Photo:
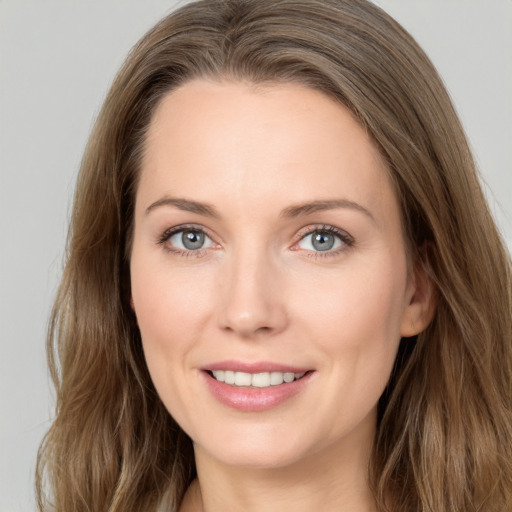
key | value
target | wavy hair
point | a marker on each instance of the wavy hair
(444, 438)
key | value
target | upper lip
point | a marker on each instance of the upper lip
(254, 367)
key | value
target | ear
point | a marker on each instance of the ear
(421, 302)
(132, 307)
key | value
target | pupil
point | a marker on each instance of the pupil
(192, 239)
(322, 241)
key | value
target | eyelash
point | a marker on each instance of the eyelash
(166, 235)
(346, 239)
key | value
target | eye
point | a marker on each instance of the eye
(324, 240)
(188, 239)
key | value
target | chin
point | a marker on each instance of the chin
(256, 459)
(257, 448)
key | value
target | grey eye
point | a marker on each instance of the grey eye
(320, 241)
(190, 240)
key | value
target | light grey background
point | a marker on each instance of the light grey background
(57, 59)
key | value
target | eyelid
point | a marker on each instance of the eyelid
(168, 233)
(346, 239)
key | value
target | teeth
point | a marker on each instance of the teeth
(229, 377)
(276, 378)
(260, 380)
(289, 377)
(257, 380)
(242, 379)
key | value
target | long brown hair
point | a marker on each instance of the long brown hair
(444, 439)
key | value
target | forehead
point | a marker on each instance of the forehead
(219, 141)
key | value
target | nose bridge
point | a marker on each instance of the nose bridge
(252, 301)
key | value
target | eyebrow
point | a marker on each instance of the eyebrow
(319, 206)
(187, 205)
(290, 212)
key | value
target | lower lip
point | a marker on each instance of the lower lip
(248, 399)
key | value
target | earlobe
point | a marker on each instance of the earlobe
(132, 307)
(421, 307)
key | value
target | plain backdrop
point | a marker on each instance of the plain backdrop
(57, 59)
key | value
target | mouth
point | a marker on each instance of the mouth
(255, 380)
(257, 386)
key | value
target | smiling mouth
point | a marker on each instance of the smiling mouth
(255, 380)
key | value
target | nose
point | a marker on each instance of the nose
(252, 300)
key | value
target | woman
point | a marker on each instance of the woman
(283, 287)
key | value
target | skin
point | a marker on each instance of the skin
(260, 291)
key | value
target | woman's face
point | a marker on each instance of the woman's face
(268, 248)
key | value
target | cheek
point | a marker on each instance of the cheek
(170, 316)
(355, 318)
(169, 304)
(354, 321)
(356, 300)
(168, 307)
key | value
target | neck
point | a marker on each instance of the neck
(332, 479)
